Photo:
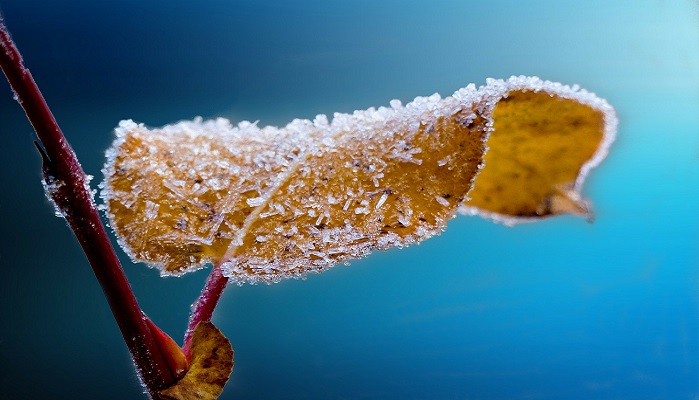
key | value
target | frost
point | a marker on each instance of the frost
(254, 202)
(51, 189)
(404, 220)
(382, 200)
(151, 210)
(441, 200)
(361, 210)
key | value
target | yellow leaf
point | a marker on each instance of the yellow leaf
(211, 364)
(272, 203)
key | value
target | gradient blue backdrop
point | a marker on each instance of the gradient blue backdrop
(561, 309)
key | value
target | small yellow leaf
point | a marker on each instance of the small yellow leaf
(211, 364)
(273, 203)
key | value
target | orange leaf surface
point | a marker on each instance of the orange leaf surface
(274, 203)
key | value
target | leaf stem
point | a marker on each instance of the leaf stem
(69, 188)
(203, 308)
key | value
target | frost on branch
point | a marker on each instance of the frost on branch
(274, 203)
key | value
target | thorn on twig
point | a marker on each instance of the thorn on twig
(46, 164)
(44, 157)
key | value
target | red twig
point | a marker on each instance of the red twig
(69, 188)
(204, 307)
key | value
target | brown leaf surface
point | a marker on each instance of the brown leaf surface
(275, 203)
(211, 365)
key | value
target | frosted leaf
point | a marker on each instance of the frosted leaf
(273, 203)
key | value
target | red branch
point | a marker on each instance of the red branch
(69, 188)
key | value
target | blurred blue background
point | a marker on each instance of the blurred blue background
(560, 309)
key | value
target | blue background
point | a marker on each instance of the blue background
(560, 309)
